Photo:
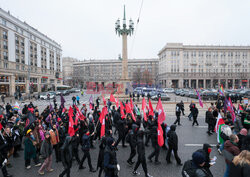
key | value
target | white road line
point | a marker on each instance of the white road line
(192, 145)
(201, 126)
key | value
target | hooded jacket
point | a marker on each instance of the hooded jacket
(66, 152)
(232, 148)
(132, 136)
(172, 137)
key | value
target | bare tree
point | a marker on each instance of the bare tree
(137, 76)
(147, 77)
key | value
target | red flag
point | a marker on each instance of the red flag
(1, 126)
(151, 110)
(144, 104)
(71, 130)
(240, 108)
(112, 98)
(160, 135)
(104, 101)
(102, 120)
(122, 110)
(161, 113)
(131, 104)
(80, 115)
(129, 110)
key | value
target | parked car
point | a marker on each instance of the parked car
(177, 92)
(58, 92)
(168, 90)
(145, 90)
(193, 94)
(44, 95)
(65, 92)
(138, 90)
(209, 95)
(164, 97)
(153, 93)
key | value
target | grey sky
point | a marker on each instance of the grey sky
(85, 28)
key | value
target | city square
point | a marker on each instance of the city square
(124, 88)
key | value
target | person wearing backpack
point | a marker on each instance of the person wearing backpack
(195, 167)
(178, 114)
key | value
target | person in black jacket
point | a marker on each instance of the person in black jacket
(195, 113)
(75, 143)
(206, 150)
(66, 155)
(178, 114)
(111, 166)
(141, 155)
(173, 145)
(155, 145)
(85, 149)
(240, 167)
(210, 121)
(131, 139)
(121, 125)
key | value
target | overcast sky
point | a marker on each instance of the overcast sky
(85, 28)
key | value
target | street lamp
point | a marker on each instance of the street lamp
(124, 32)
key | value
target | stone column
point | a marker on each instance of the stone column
(27, 85)
(124, 58)
(12, 85)
(39, 85)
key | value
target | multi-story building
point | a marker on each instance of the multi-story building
(29, 60)
(68, 70)
(199, 66)
(109, 71)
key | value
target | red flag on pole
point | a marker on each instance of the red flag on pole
(129, 110)
(71, 130)
(144, 104)
(151, 110)
(160, 135)
(1, 126)
(122, 110)
(161, 113)
(112, 98)
(104, 101)
(102, 120)
(81, 116)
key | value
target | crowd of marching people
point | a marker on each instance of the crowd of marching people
(63, 131)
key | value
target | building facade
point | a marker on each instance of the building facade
(109, 71)
(67, 66)
(197, 66)
(29, 60)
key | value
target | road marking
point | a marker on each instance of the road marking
(193, 145)
(201, 126)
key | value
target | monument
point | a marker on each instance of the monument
(124, 32)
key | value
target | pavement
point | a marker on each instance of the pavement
(191, 139)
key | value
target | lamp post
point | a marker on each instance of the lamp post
(124, 32)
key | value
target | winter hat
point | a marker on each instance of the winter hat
(198, 158)
(243, 132)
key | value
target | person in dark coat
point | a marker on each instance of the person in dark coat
(173, 145)
(141, 155)
(240, 167)
(155, 145)
(46, 152)
(178, 114)
(30, 150)
(111, 166)
(246, 143)
(195, 113)
(86, 149)
(75, 144)
(66, 156)
(131, 139)
(242, 135)
(206, 150)
(97, 102)
(210, 121)
(121, 132)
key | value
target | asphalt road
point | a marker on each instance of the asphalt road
(190, 140)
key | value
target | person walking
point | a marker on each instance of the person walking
(141, 155)
(66, 155)
(155, 145)
(173, 145)
(2, 97)
(86, 149)
(78, 100)
(131, 139)
(74, 100)
(195, 113)
(111, 167)
(178, 114)
(30, 150)
(182, 108)
(46, 153)
(210, 121)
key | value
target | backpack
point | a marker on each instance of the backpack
(188, 169)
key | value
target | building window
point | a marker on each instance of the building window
(4, 22)
(17, 67)
(5, 65)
